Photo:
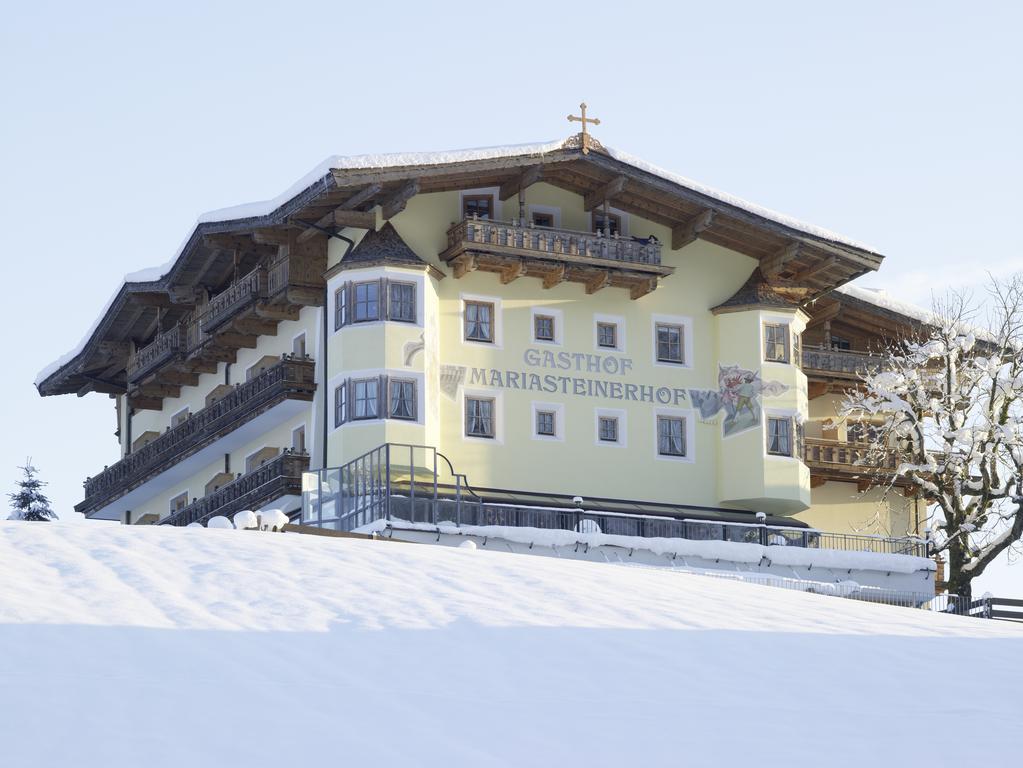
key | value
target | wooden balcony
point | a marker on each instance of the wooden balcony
(839, 363)
(235, 299)
(281, 476)
(554, 256)
(290, 379)
(845, 461)
(160, 351)
(213, 333)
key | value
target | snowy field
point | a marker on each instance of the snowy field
(190, 647)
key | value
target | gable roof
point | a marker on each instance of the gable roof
(366, 181)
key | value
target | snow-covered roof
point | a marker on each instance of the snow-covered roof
(421, 159)
(881, 299)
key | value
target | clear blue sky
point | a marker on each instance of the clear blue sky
(897, 124)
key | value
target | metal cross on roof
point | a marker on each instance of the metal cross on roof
(584, 120)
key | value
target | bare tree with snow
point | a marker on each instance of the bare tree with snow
(949, 409)
(29, 503)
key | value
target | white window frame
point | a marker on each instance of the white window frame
(559, 326)
(553, 211)
(484, 394)
(493, 191)
(793, 417)
(369, 275)
(498, 321)
(623, 427)
(392, 373)
(174, 416)
(687, 340)
(305, 342)
(623, 219)
(618, 321)
(689, 425)
(786, 323)
(305, 443)
(558, 409)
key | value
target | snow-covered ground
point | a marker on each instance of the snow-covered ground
(193, 647)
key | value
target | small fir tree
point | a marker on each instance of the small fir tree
(29, 503)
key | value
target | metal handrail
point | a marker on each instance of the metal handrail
(373, 487)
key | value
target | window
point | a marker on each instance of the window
(669, 343)
(259, 458)
(797, 347)
(479, 321)
(543, 327)
(298, 346)
(607, 429)
(341, 405)
(776, 343)
(366, 302)
(543, 219)
(179, 502)
(545, 423)
(671, 436)
(607, 335)
(298, 439)
(479, 417)
(340, 307)
(779, 436)
(402, 304)
(402, 399)
(614, 220)
(837, 342)
(478, 206)
(364, 399)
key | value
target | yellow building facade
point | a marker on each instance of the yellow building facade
(555, 323)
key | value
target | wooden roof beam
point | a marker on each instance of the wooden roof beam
(688, 231)
(597, 197)
(822, 317)
(345, 214)
(815, 271)
(396, 203)
(772, 265)
(527, 178)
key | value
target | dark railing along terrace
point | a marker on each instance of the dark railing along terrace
(289, 378)
(233, 299)
(417, 484)
(551, 243)
(842, 362)
(846, 456)
(281, 476)
(158, 352)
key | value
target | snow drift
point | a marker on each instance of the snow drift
(151, 645)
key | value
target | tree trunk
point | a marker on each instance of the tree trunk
(959, 583)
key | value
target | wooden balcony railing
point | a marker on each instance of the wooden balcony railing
(281, 476)
(544, 242)
(291, 273)
(290, 379)
(159, 351)
(845, 457)
(236, 297)
(840, 362)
